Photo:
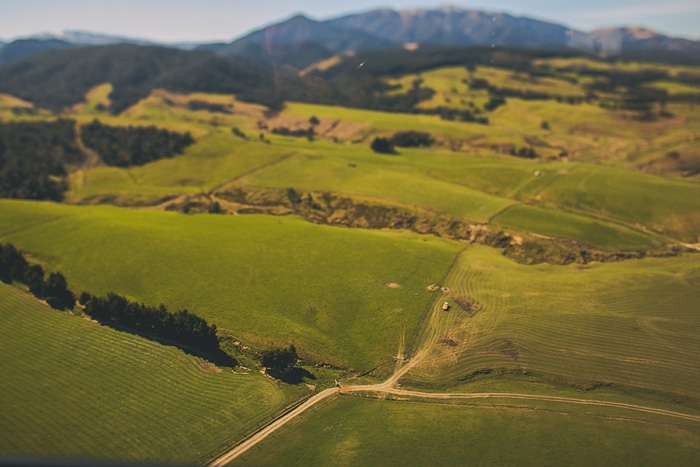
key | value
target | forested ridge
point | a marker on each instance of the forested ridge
(60, 78)
(33, 156)
(127, 146)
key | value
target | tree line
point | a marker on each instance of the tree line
(127, 146)
(54, 289)
(184, 329)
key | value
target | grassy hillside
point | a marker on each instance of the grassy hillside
(562, 224)
(256, 276)
(630, 326)
(666, 206)
(75, 389)
(356, 431)
(353, 298)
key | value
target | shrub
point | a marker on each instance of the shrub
(382, 145)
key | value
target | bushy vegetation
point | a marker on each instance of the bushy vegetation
(183, 327)
(60, 78)
(382, 145)
(74, 392)
(13, 267)
(33, 156)
(280, 360)
(197, 104)
(284, 131)
(349, 319)
(127, 146)
(412, 138)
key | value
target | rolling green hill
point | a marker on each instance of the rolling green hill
(356, 431)
(350, 254)
(629, 327)
(73, 389)
(255, 276)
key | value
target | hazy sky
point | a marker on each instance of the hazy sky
(224, 20)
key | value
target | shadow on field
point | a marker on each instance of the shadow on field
(293, 376)
(218, 357)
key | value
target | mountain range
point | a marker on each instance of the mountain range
(300, 40)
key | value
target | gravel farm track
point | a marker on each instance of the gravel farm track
(389, 387)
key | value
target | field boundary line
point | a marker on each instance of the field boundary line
(515, 203)
(252, 171)
(271, 427)
(34, 224)
(349, 390)
(410, 349)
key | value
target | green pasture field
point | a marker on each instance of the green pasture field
(452, 91)
(665, 205)
(72, 389)
(379, 175)
(502, 78)
(475, 188)
(574, 62)
(675, 88)
(386, 122)
(211, 161)
(589, 133)
(561, 224)
(96, 100)
(356, 431)
(268, 280)
(449, 88)
(630, 326)
(15, 109)
(479, 188)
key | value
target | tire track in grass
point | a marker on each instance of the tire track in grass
(471, 281)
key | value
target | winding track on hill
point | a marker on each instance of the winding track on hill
(427, 339)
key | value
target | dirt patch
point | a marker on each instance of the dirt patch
(445, 289)
(466, 304)
(449, 341)
(433, 287)
(207, 367)
(392, 285)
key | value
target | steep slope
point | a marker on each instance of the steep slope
(278, 57)
(299, 29)
(453, 26)
(24, 47)
(60, 78)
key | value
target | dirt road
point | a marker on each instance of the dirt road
(506, 395)
(272, 427)
(428, 340)
(388, 388)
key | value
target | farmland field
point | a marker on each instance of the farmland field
(562, 224)
(75, 389)
(253, 275)
(357, 431)
(630, 326)
(549, 249)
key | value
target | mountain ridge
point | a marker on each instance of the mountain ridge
(384, 28)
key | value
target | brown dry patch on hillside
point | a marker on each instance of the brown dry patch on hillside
(327, 63)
